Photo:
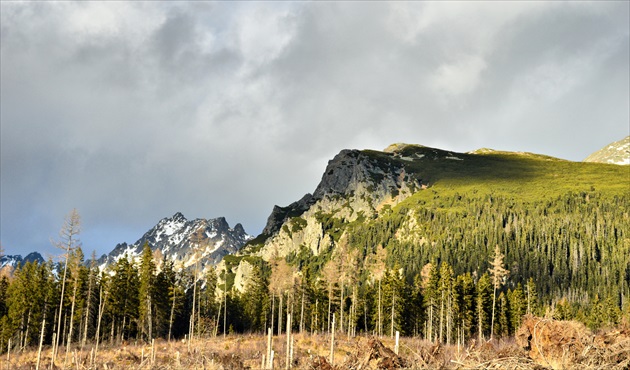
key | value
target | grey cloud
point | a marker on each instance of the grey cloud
(222, 109)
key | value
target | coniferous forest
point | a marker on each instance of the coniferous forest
(568, 258)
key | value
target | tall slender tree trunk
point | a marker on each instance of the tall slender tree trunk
(273, 309)
(441, 317)
(150, 317)
(380, 322)
(280, 316)
(216, 326)
(170, 320)
(191, 328)
(480, 318)
(225, 304)
(101, 309)
(302, 313)
(74, 299)
(87, 309)
(72, 225)
(494, 298)
(329, 305)
(63, 289)
(28, 324)
(341, 309)
(393, 303)
(431, 337)
(41, 340)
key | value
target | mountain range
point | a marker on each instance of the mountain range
(360, 187)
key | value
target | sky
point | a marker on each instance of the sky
(133, 111)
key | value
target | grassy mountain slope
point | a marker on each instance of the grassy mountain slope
(565, 224)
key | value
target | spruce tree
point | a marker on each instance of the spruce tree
(484, 291)
(146, 292)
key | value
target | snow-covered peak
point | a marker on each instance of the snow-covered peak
(186, 241)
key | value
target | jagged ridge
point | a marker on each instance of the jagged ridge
(173, 238)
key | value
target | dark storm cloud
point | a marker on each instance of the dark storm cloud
(133, 111)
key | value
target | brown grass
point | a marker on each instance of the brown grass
(540, 344)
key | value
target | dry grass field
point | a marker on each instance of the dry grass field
(539, 344)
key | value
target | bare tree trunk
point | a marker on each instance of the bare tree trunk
(170, 320)
(494, 298)
(225, 304)
(316, 316)
(332, 342)
(341, 309)
(273, 309)
(101, 309)
(72, 225)
(329, 302)
(74, 299)
(441, 317)
(216, 326)
(480, 319)
(380, 321)
(41, 340)
(111, 334)
(449, 319)
(302, 314)
(280, 316)
(150, 317)
(28, 324)
(393, 303)
(430, 334)
(191, 327)
(87, 309)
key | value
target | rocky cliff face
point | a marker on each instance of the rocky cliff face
(363, 180)
(174, 237)
(356, 185)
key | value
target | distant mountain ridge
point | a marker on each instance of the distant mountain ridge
(173, 237)
(14, 260)
(614, 153)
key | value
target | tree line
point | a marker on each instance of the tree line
(481, 264)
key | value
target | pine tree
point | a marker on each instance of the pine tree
(484, 290)
(146, 292)
(90, 297)
(257, 303)
(518, 307)
(123, 299)
(502, 315)
(417, 311)
(431, 278)
(465, 288)
(531, 297)
(445, 297)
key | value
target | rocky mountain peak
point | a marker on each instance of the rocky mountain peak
(366, 178)
(177, 238)
(15, 260)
